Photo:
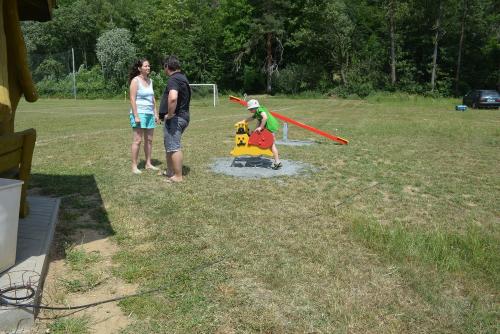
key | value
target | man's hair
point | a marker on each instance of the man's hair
(172, 63)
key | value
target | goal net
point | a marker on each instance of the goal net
(204, 94)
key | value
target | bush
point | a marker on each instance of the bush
(361, 90)
(49, 69)
(253, 80)
(296, 78)
(49, 87)
(116, 53)
(406, 80)
(90, 84)
(288, 80)
(159, 83)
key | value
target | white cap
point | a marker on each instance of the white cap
(253, 104)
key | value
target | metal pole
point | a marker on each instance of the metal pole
(74, 77)
(285, 131)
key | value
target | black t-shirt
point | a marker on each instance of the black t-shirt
(180, 83)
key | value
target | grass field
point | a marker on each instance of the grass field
(397, 232)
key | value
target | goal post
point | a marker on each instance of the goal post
(200, 91)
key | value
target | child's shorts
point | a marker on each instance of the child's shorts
(147, 121)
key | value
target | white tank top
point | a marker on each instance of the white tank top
(144, 98)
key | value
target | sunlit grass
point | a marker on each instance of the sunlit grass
(74, 325)
(80, 260)
(396, 232)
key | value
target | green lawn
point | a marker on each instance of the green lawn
(396, 232)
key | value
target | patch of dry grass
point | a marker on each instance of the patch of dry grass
(395, 233)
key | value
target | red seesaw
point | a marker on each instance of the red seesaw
(292, 121)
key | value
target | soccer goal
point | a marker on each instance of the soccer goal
(205, 94)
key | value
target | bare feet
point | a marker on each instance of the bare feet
(165, 173)
(174, 179)
(151, 167)
(136, 171)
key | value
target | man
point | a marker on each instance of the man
(175, 108)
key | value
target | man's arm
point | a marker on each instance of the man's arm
(172, 103)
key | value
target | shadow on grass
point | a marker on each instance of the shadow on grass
(244, 161)
(142, 163)
(81, 209)
(157, 163)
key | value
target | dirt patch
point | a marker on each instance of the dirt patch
(410, 190)
(105, 318)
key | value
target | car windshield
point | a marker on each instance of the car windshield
(492, 93)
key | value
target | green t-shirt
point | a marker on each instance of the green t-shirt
(272, 123)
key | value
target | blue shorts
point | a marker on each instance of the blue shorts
(172, 133)
(147, 121)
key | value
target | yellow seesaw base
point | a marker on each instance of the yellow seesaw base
(241, 146)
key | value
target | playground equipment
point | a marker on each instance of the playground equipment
(294, 122)
(255, 144)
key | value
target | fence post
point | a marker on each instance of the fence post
(74, 77)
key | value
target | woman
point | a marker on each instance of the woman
(143, 112)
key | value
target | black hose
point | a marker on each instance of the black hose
(4, 300)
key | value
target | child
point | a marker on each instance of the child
(267, 121)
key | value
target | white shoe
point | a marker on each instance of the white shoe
(136, 171)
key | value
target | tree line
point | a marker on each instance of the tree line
(341, 47)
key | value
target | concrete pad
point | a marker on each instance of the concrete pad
(288, 142)
(34, 238)
(258, 167)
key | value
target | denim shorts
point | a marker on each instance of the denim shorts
(147, 121)
(172, 133)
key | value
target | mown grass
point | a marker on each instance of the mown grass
(396, 232)
(74, 325)
(83, 275)
(472, 251)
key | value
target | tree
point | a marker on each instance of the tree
(189, 29)
(391, 13)
(267, 31)
(437, 28)
(49, 68)
(234, 19)
(328, 30)
(460, 43)
(116, 53)
(324, 44)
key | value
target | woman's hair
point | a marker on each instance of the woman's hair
(134, 70)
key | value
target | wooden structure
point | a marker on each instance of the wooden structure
(16, 148)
